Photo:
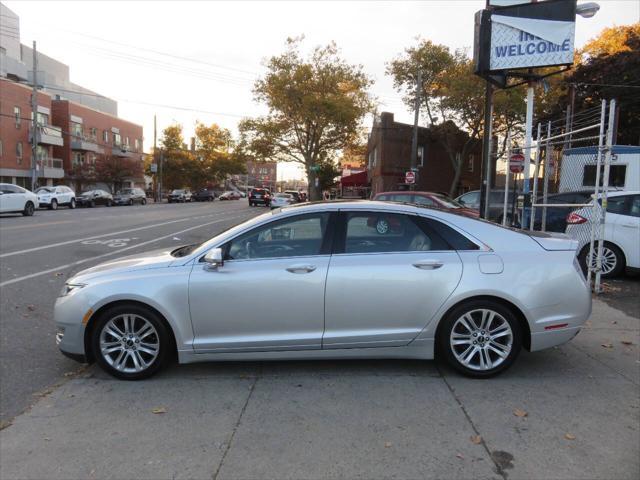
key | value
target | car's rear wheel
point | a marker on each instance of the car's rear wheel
(29, 208)
(131, 342)
(480, 338)
(144, 201)
(131, 201)
(72, 203)
(92, 204)
(109, 203)
(54, 205)
(613, 261)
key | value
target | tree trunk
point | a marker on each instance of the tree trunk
(457, 168)
(315, 192)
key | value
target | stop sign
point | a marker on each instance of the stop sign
(516, 163)
(409, 177)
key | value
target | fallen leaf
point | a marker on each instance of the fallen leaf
(159, 410)
(460, 456)
(569, 436)
(387, 444)
(31, 307)
(626, 342)
(59, 274)
(476, 439)
(588, 323)
(606, 345)
(520, 413)
(615, 322)
(47, 439)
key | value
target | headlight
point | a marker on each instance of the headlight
(69, 288)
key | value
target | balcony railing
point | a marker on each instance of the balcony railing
(122, 151)
(48, 135)
(51, 167)
(87, 144)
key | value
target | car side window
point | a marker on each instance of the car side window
(10, 189)
(449, 235)
(291, 237)
(380, 232)
(620, 205)
(470, 198)
(635, 206)
(419, 200)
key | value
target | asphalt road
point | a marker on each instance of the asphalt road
(571, 412)
(37, 255)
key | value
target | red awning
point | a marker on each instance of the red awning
(355, 180)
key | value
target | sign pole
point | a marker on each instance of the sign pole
(506, 180)
(527, 154)
(486, 151)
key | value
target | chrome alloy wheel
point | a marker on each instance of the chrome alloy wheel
(481, 339)
(609, 261)
(129, 343)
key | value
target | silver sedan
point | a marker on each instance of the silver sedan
(331, 280)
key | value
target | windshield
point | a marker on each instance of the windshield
(446, 201)
(176, 192)
(45, 190)
(283, 195)
(86, 194)
(126, 191)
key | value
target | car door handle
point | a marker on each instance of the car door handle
(301, 268)
(428, 264)
(630, 225)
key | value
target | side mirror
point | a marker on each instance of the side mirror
(213, 259)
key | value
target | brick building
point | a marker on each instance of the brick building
(262, 174)
(92, 137)
(15, 137)
(389, 157)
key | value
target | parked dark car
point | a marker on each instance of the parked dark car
(259, 196)
(93, 198)
(297, 198)
(496, 205)
(204, 195)
(130, 196)
(556, 217)
(181, 195)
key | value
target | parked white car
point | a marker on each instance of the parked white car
(621, 247)
(15, 199)
(282, 200)
(53, 197)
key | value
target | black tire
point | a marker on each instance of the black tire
(131, 202)
(109, 203)
(54, 205)
(72, 203)
(617, 255)
(144, 201)
(92, 204)
(166, 350)
(29, 208)
(446, 352)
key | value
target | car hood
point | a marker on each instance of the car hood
(160, 258)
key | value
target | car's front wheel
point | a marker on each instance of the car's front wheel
(480, 338)
(29, 208)
(72, 203)
(131, 342)
(144, 201)
(54, 205)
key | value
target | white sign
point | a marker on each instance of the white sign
(154, 168)
(516, 163)
(526, 42)
(410, 177)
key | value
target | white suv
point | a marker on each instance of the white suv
(15, 199)
(53, 197)
(621, 233)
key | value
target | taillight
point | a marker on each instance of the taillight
(574, 219)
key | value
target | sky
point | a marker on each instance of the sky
(188, 61)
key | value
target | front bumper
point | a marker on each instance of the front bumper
(70, 330)
(121, 201)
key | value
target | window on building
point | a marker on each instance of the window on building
(93, 133)
(470, 162)
(105, 136)
(42, 153)
(76, 129)
(78, 159)
(373, 157)
(617, 175)
(42, 118)
(117, 140)
(19, 152)
(17, 113)
(0, 147)
(126, 141)
(137, 145)
(420, 159)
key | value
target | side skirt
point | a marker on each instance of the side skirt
(419, 349)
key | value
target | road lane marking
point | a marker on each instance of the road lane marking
(80, 240)
(4, 229)
(85, 260)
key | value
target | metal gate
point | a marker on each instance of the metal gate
(572, 173)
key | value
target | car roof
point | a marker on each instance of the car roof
(407, 192)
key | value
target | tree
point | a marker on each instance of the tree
(177, 165)
(315, 108)
(452, 98)
(114, 170)
(608, 67)
(327, 173)
(82, 175)
(215, 159)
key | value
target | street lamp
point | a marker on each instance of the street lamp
(587, 10)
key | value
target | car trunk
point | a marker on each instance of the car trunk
(553, 241)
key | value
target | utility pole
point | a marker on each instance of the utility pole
(155, 158)
(160, 174)
(486, 151)
(34, 126)
(414, 142)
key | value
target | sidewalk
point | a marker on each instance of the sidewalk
(569, 412)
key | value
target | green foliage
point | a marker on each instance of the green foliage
(114, 171)
(315, 108)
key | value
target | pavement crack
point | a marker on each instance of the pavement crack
(235, 429)
(592, 357)
(498, 466)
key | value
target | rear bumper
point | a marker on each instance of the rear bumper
(552, 338)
